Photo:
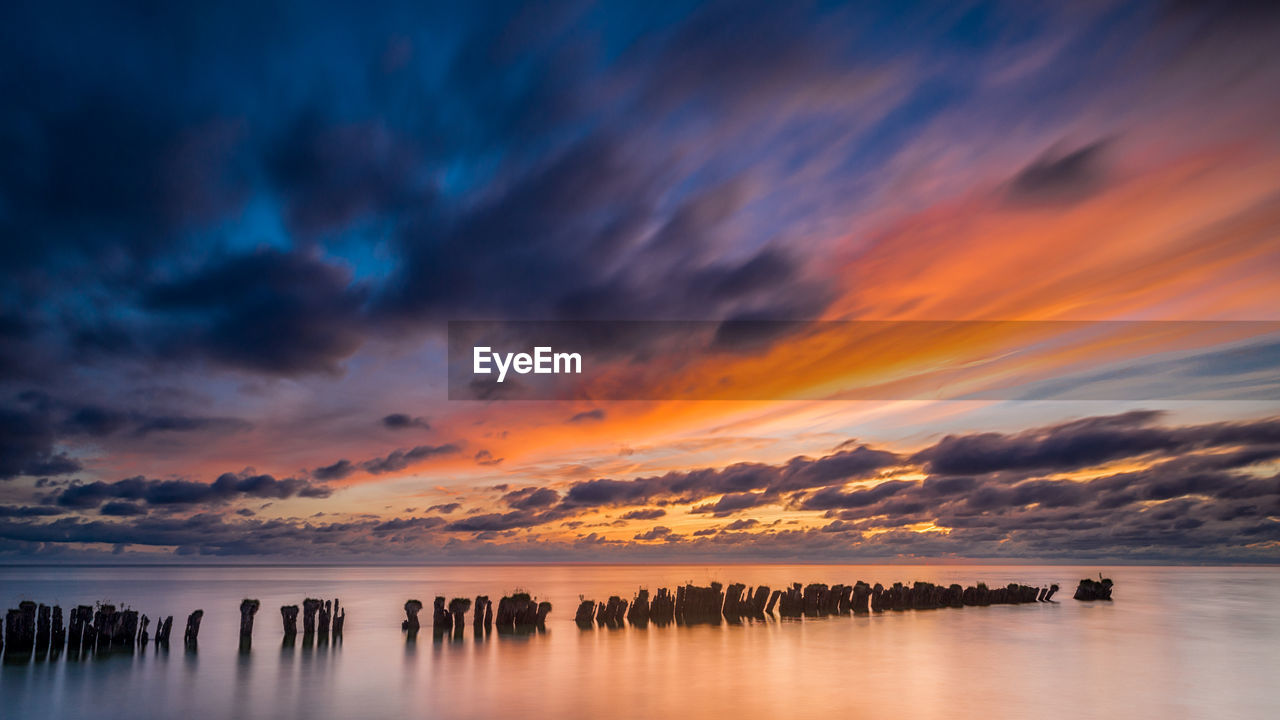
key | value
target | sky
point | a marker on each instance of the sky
(232, 239)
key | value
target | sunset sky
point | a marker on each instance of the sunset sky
(231, 240)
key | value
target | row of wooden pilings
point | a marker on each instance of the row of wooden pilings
(691, 604)
(38, 629)
(515, 612)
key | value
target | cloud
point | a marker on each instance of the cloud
(657, 533)
(228, 486)
(27, 443)
(281, 313)
(531, 498)
(497, 521)
(401, 459)
(646, 514)
(1060, 176)
(797, 474)
(834, 497)
(121, 508)
(486, 458)
(1082, 443)
(181, 423)
(336, 471)
(595, 415)
(444, 508)
(27, 511)
(401, 421)
(731, 503)
(743, 524)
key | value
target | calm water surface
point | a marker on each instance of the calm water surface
(1175, 643)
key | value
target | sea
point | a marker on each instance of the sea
(1174, 642)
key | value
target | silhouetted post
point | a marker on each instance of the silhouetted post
(20, 629)
(59, 629)
(339, 619)
(458, 608)
(289, 618)
(1094, 589)
(143, 637)
(75, 628)
(586, 611)
(162, 631)
(1048, 597)
(441, 620)
(639, 613)
(126, 630)
(104, 621)
(310, 607)
(411, 610)
(192, 634)
(248, 608)
(663, 607)
(733, 600)
(42, 628)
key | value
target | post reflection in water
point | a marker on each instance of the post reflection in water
(1204, 652)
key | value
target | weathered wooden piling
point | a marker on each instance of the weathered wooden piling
(289, 618)
(411, 610)
(639, 612)
(59, 629)
(699, 604)
(662, 608)
(311, 606)
(20, 629)
(733, 603)
(612, 611)
(483, 617)
(191, 636)
(339, 619)
(1094, 589)
(458, 608)
(586, 613)
(759, 600)
(441, 620)
(248, 608)
(1048, 596)
(326, 615)
(103, 618)
(126, 630)
(80, 629)
(162, 631)
(143, 624)
(43, 624)
(518, 611)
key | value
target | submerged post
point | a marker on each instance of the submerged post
(59, 629)
(310, 607)
(441, 620)
(248, 608)
(192, 634)
(411, 610)
(42, 628)
(458, 608)
(289, 617)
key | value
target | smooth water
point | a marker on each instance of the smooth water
(1177, 642)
